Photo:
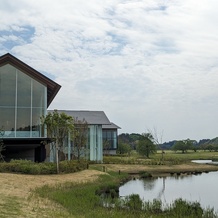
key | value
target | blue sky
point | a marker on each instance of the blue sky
(147, 64)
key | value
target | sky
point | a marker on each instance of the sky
(150, 65)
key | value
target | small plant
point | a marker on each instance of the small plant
(144, 175)
(185, 208)
(134, 202)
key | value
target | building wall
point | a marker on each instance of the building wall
(22, 103)
(95, 143)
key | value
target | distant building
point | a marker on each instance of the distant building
(25, 95)
(100, 130)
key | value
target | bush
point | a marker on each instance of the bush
(29, 167)
(144, 175)
(134, 202)
(184, 208)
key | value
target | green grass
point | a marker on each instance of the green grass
(169, 158)
(188, 156)
(80, 200)
(9, 207)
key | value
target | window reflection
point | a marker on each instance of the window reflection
(22, 103)
(110, 138)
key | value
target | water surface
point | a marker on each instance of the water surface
(201, 188)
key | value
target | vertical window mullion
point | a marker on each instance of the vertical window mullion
(15, 109)
(31, 108)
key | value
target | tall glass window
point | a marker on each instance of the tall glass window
(22, 103)
(110, 137)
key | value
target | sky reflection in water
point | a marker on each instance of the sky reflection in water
(201, 188)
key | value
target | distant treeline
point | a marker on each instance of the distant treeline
(205, 144)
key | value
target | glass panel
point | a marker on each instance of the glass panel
(7, 85)
(104, 133)
(108, 135)
(26, 126)
(23, 122)
(38, 102)
(114, 133)
(38, 94)
(23, 90)
(36, 127)
(7, 121)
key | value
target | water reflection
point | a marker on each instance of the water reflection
(201, 188)
(202, 161)
(149, 184)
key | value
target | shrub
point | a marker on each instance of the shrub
(144, 174)
(29, 167)
(185, 208)
(134, 202)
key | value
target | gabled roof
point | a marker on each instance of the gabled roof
(110, 126)
(52, 87)
(92, 117)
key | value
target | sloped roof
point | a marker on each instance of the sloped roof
(92, 117)
(110, 126)
(52, 87)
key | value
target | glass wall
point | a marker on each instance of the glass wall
(22, 103)
(109, 139)
(95, 143)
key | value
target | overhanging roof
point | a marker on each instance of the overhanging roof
(92, 117)
(111, 126)
(52, 87)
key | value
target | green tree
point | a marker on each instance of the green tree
(183, 145)
(124, 148)
(80, 138)
(146, 145)
(59, 126)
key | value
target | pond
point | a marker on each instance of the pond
(200, 187)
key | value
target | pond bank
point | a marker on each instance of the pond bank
(157, 170)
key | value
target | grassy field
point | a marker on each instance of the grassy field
(80, 200)
(62, 195)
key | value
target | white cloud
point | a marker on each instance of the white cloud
(145, 63)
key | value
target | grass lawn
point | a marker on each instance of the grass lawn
(73, 195)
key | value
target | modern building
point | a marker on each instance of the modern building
(100, 132)
(25, 95)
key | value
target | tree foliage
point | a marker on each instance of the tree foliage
(131, 139)
(124, 148)
(146, 145)
(59, 126)
(183, 145)
(80, 137)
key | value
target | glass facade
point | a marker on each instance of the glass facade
(22, 103)
(109, 138)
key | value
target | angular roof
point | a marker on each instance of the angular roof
(110, 126)
(52, 87)
(92, 117)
